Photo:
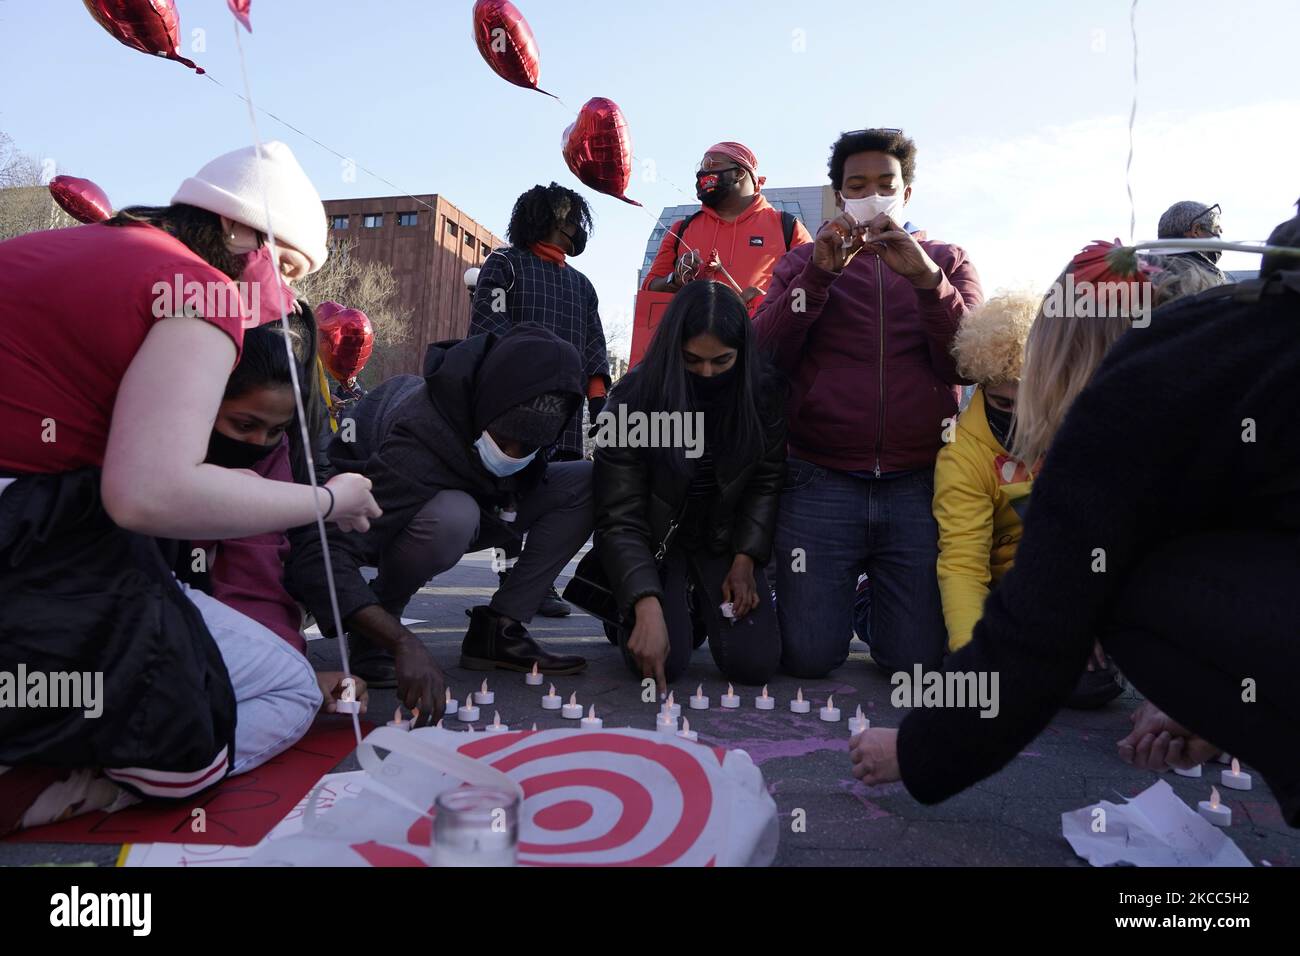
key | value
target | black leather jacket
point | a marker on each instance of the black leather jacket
(638, 498)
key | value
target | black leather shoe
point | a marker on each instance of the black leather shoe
(495, 642)
(1095, 689)
(553, 605)
(372, 664)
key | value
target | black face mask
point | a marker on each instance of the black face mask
(578, 241)
(721, 185)
(229, 453)
(711, 388)
(999, 424)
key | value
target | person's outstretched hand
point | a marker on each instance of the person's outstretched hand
(1157, 742)
(875, 755)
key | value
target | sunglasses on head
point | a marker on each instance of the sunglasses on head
(873, 129)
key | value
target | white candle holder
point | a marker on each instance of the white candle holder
(763, 701)
(830, 713)
(572, 710)
(699, 701)
(552, 701)
(591, 721)
(1234, 778)
(533, 678)
(483, 696)
(496, 727)
(799, 705)
(730, 700)
(467, 713)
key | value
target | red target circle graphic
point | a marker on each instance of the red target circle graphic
(606, 798)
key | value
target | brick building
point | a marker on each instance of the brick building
(428, 243)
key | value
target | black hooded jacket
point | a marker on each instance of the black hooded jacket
(414, 437)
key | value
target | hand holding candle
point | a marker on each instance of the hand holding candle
(874, 753)
(858, 723)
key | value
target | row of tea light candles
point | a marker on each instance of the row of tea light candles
(1233, 778)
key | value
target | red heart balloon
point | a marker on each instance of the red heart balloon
(346, 339)
(598, 148)
(506, 41)
(150, 26)
(240, 8)
(326, 309)
(81, 199)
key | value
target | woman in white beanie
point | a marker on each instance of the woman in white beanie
(120, 338)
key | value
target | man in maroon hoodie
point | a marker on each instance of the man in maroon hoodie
(861, 320)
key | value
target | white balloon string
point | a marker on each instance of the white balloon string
(308, 442)
(1132, 118)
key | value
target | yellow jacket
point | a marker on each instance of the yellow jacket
(980, 492)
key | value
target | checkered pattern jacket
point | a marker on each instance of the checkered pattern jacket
(517, 287)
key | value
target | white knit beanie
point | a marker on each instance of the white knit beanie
(230, 186)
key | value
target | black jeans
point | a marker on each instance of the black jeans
(747, 651)
(1201, 617)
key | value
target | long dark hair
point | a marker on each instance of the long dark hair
(199, 229)
(542, 210)
(264, 363)
(735, 431)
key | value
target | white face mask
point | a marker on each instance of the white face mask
(497, 461)
(869, 207)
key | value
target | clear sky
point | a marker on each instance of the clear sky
(1019, 107)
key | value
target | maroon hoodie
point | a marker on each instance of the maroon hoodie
(867, 354)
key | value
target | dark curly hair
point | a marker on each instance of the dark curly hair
(892, 142)
(540, 210)
(199, 229)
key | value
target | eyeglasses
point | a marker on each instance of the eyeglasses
(1213, 213)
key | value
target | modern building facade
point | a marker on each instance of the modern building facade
(428, 243)
(811, 205)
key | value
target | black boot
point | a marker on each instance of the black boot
(552, 604)
(371, 663)
(494, 641)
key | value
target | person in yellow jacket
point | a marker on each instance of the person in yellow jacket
(980, 489)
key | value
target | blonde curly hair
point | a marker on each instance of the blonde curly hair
(990, 345)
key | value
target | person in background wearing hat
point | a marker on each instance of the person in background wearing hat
(532, 282)
(120, 338)
(458, 460)
(862, 321)
(1194, 220)
(735, 238)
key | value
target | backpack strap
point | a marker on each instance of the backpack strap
(677, 236)
(788, 221)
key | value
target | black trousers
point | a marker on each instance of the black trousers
(1206, 623)
(747, 651)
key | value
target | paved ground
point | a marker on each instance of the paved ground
(1013, 818)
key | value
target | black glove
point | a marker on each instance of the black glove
(594, 406)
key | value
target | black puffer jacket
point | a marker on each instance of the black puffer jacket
(415, 437)
(638, 497)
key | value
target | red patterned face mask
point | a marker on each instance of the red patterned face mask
(267, 296)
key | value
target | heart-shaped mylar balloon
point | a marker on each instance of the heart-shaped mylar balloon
(506, 42)
(150, 26)
(598, 148)
(345, 338)
(81, 199)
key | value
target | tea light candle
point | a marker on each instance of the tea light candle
(1214, 811)
(1234, 779)
(552, 700)
(452, 703)
(686, 733)
(591, 721)
(1194, 772)
(799, 705)
(830, 713)
(728, 610)
(398, 722)
(666, 723)
(572, 710)
(483, 695)
(763, 702)
(699, 701)
(671, 706)
(496, 727)
(730, 700)
(347, 702)
(467, 712)
(858, 723)
(533, 679)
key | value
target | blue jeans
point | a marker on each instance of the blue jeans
(833, 526)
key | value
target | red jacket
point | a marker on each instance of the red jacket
(749, 246)
(867, 353)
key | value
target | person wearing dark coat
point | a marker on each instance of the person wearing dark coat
(683, 531)
(1166, 522)
(457, 461)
